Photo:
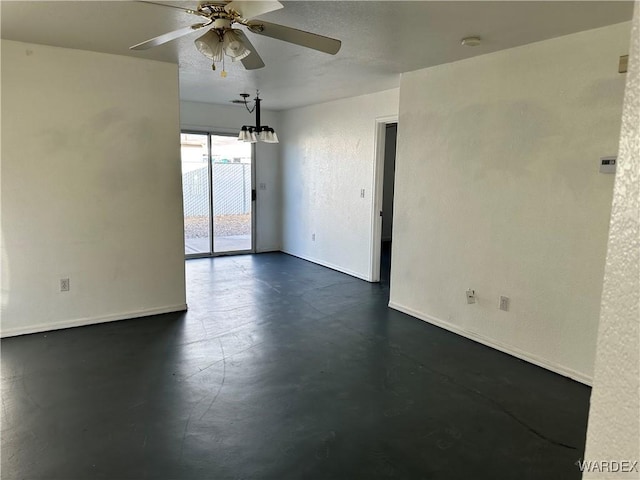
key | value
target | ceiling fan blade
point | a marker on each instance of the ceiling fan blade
(298, 37)
(250, 9)
(167, 37)
(253, 60)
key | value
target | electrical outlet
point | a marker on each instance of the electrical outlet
(263, 186)
(362, 193)
(65, 285)
(313, 237)
(471, 296)
(504, 303)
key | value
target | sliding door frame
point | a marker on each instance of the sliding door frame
(212, 252)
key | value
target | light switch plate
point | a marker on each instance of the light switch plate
(624, 64)
(471, 296)
(608, 164)
(504, 303)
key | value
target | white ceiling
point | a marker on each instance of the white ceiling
(380, 40)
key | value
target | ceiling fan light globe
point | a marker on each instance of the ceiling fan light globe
(240, 57)
(218, 53)
(210, 46)
(233, 46)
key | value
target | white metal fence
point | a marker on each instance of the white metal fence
(231, 190)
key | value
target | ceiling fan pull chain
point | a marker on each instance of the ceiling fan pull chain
(223, 73)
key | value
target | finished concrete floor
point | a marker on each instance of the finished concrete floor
(221, 244)
(281, 369)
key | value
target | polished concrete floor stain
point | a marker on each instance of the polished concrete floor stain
(281, 369)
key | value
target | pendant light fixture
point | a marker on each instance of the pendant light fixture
(257, 132)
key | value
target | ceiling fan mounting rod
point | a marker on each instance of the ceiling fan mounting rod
(211, 8)
(217, 11)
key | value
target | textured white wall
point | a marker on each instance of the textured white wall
(327, 159)
(497, 189)
(614, 423)
(229, 119)
(90, 188)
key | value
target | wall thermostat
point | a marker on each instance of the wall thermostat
(608, 164)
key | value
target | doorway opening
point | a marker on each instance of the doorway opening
(218, 194)
(391, 135)
(384, 176)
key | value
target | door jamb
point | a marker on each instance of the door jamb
(254, 203)
(377, 189)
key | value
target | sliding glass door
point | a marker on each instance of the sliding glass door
(232, 194)
(217, 186)
(196, 193)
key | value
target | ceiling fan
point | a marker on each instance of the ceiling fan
(221, 38)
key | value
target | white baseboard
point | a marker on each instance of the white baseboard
(268, 249)
(513, 351)
(328, 265)
(80, 322)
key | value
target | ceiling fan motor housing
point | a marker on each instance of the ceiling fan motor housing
(221, 23)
